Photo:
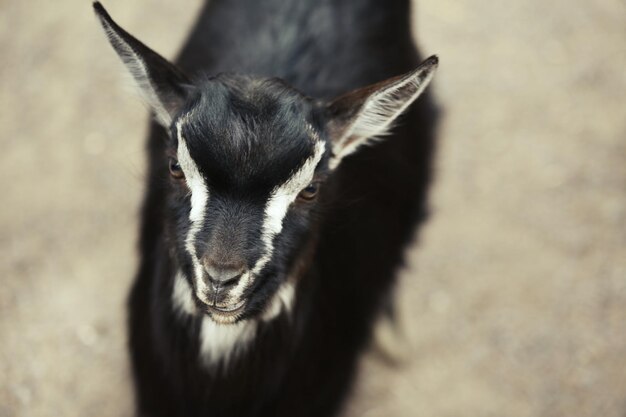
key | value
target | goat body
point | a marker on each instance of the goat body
(267, 256)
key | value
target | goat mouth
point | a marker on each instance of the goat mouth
(227, 310)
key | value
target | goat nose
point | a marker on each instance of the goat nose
(222, 275)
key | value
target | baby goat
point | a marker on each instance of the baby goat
(272, 246)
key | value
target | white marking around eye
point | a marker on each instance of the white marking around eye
(199, 201)
(220, 342)
(275, 211)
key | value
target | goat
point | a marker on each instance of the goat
(270, 247)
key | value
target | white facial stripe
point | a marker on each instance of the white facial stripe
(195, 180)
(138, 70)
(219, 343)
(280, 200)
(276, 210)
(199, 201)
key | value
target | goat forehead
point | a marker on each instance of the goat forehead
(235, 142)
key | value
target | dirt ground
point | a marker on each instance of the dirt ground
(514, 300)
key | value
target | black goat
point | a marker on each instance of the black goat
(269, 251)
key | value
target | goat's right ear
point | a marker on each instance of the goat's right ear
(162, 85)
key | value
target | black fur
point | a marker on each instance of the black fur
(355, 233)
(246, 135)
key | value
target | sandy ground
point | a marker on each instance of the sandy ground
(514, 299)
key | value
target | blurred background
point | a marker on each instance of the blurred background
(514, 298)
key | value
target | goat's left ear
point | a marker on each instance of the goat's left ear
(162, 85)
(369, 112)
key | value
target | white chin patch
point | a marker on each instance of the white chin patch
(219, 342)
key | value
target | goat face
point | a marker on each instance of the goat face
(247, 157)
(246, 160)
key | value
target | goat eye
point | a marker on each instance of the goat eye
(309, 192)
(175, 170)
